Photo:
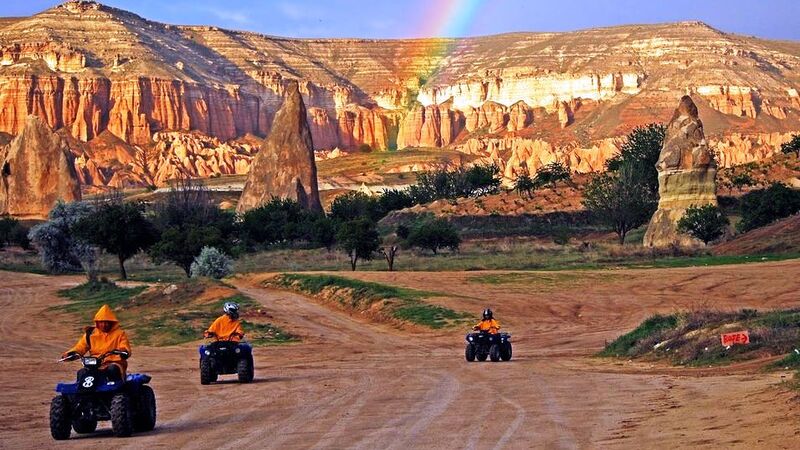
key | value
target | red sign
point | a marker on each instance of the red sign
(739, 337)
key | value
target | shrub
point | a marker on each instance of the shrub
(524, 185)
(60, 249)
(365, 148)
(394, 200)
(551, 174)
(764, 206)
(792, 147)
(281, 220)
(433, 234)
(13, 232)
(706, 223)
(354, 205)
(211, 263)
(444, 183)
(359, 239)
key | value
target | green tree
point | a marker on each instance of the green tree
(706, 223)
(764, 206)
(551, 175)
(793, 146)
(354, 205)
(639, 154)
(433, 234)
(279, 220)
(188, 220)
(359, 239)
(118, 228)
(61, 250)
(619, 200)
(741, 180)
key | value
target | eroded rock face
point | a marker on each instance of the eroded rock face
(686, 177)
(36, 170)
(285, 166)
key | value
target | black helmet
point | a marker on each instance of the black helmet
(487, 314)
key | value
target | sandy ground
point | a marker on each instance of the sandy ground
(356, 385)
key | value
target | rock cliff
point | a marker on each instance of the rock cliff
(36, 170)
(686, 177)
(285, 167)
(90, 69)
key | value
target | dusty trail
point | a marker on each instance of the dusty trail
(351, 384)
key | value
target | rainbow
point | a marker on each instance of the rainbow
(446, 19)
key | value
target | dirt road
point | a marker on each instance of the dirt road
(355, 385)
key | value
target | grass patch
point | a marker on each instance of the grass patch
(396, 302)
(693, 338)
(154, 318)
(625, 344)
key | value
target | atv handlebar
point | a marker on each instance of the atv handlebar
(72, 356)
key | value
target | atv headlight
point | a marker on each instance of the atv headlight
(470, 338)
(207, 352)
(237, 350)
(89, 361)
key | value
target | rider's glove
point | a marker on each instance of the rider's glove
(70, 355)
(122, 354)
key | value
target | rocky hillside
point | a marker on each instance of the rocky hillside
(520, 100)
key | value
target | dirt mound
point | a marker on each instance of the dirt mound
(782, 236)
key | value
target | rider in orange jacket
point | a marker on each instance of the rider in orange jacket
(102, 339)
(488, 323)
(227, 327)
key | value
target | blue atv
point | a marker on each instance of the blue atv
(129, 404)
(224, 357)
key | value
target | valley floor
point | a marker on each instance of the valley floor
(353, 384)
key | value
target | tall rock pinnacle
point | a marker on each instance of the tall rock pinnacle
(686, 177)
(36, 170)
(285, 166)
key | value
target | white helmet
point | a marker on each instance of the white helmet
(231, 309)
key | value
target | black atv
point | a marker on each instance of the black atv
(482, 344)
(226, 357)
(129, 404)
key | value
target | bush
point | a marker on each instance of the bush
(359, 239)
(60, 249)
(764, 206)
(282, 220)
(211, 263)
(551, 174)
(792, 147)
(365, 148)
(189, 220)
(13, 232)
(354, 205)
(444, 183)
(706, 223)
(433, 234)
(394, 200)
(524, 184)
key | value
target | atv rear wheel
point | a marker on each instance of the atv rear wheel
(481, 355)
(469, 352)
(84, 426)
(245, 370)
(121, 415)
(494, 353)
(505, 352)
(145, 418)
(207, 372)
(60, 414)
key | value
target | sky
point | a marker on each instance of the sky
(773, 19)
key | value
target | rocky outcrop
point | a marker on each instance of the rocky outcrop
(61, 58)
(285, 166)
(36, 170)
(686, 177)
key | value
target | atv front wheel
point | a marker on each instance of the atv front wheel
(245, 370)
(60, 418)
(84, 426)
(121, 415)
(494, 353)
(145, 418)
(469, 352)
(207, 372)
(505, 352)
